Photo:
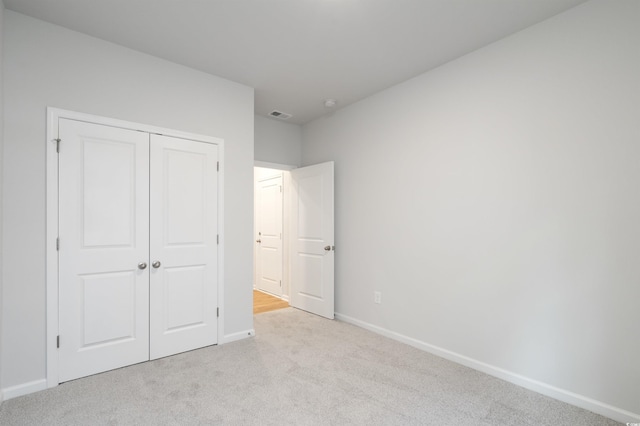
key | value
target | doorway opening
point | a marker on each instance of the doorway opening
(271, 271)
(294, 235)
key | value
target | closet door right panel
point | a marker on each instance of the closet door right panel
(183, 245)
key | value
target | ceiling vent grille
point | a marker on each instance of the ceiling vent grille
(280, 115)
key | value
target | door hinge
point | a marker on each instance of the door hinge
(217, 166)
(280, 283)
(57, 145)
(58, 244)
(218, 239)
(58, 341)
(217, 312)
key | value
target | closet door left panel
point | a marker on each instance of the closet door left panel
(104, 248)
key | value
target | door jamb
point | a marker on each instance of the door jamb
(52, 211)
(276, 166)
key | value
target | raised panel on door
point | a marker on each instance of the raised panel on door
(104, 234)
(184, 228)
(269, 224)
(312, 282)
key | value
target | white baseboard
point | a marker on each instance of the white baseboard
(228, 338)
(38, 385)
(23, 389)
(563, 395)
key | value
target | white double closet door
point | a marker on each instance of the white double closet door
(138, 247)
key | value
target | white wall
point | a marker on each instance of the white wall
(277, 141)
(494, 202)
(46, 65)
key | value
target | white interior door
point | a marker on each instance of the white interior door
(104, 235)
(312, 266)
(138, 249)
(269, 238)
(184, 250)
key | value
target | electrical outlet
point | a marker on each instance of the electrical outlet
(377, 297)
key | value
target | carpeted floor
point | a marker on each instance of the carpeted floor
(299, 370)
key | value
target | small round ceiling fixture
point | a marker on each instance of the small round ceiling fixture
(330, 103)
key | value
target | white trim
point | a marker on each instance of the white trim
(51, 254)
(221, 244)
(286, 235)
(267, 165)
(130, 125)
(563, 395)
(241, 335)
(53, 117)
(23, 389)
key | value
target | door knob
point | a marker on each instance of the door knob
(258, 241)
(142, 265)
(327, 248)
(156, 264)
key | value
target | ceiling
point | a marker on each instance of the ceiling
(296, 53)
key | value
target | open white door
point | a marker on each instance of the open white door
(312, 263)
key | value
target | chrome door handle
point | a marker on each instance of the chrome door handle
(156, 264)
(327, 248)
(142, 265)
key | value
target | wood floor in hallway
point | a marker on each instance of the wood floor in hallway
(263, 302)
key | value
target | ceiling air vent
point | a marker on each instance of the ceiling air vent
(280, 115)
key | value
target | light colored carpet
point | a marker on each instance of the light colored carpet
(299, 370)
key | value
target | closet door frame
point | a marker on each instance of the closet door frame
(52, 219)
